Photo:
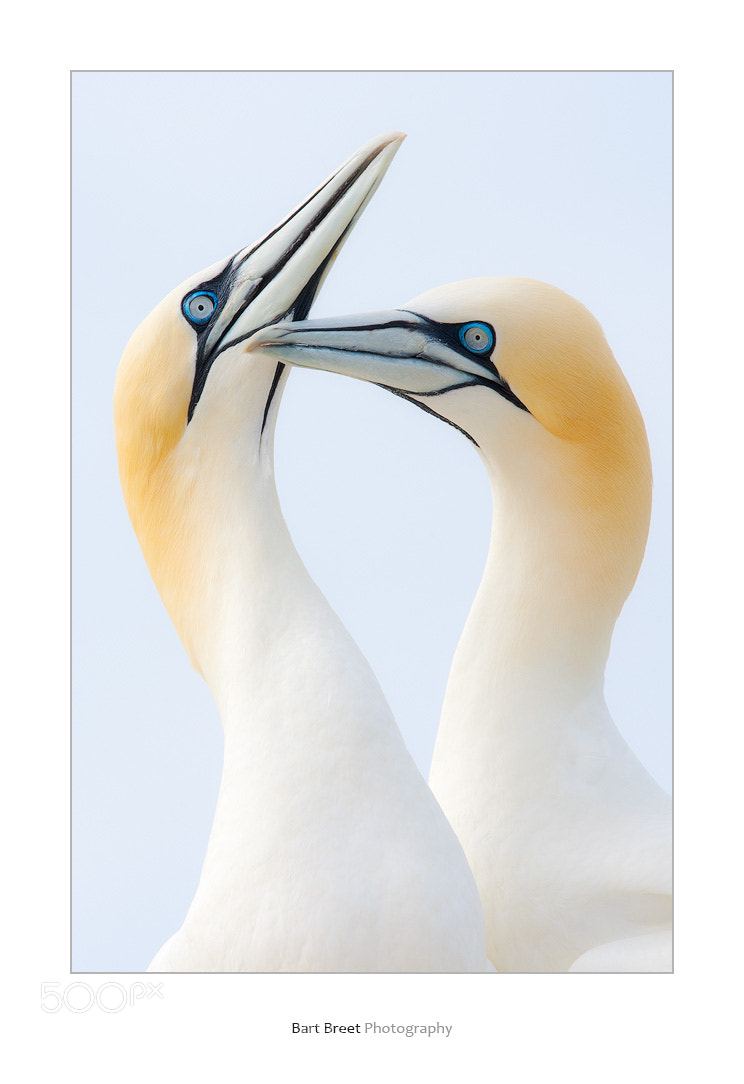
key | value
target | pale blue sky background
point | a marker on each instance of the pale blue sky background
(559, 176)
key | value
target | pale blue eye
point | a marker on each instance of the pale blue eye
(476, 337)
(199, 306)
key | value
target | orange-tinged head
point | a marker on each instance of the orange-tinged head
(191, 408)
(525, 372)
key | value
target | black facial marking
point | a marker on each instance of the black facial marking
(220, 285)
(299, 312)
(449, 334)
(428, 409)
(272, 392)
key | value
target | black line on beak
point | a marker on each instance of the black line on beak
(289, 252)
(299, 311)
(301, 306)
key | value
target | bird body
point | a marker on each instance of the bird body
(328, 851)
(566, 833)
(645, 953)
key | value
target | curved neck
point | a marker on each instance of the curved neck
(564, 553)
(285, 674)
(254, 622)
(534, 644)
(307, 728)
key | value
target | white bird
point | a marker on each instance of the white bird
(567, 834)
(328, 851)
(650, 952)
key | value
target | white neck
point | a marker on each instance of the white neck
(532, 654)
(299, 704)
(325, 835)
(565, 831)
(526, 684)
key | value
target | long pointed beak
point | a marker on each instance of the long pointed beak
(398, 350)
(280, 275)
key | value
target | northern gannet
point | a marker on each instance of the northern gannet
(568, 836)
(328, 852)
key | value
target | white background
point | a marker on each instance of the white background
(236, 1026)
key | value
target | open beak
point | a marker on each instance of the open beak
(279, 276)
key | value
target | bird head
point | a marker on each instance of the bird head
(187, 397)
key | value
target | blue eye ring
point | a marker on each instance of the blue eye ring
(194, 317)
(476, 337)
